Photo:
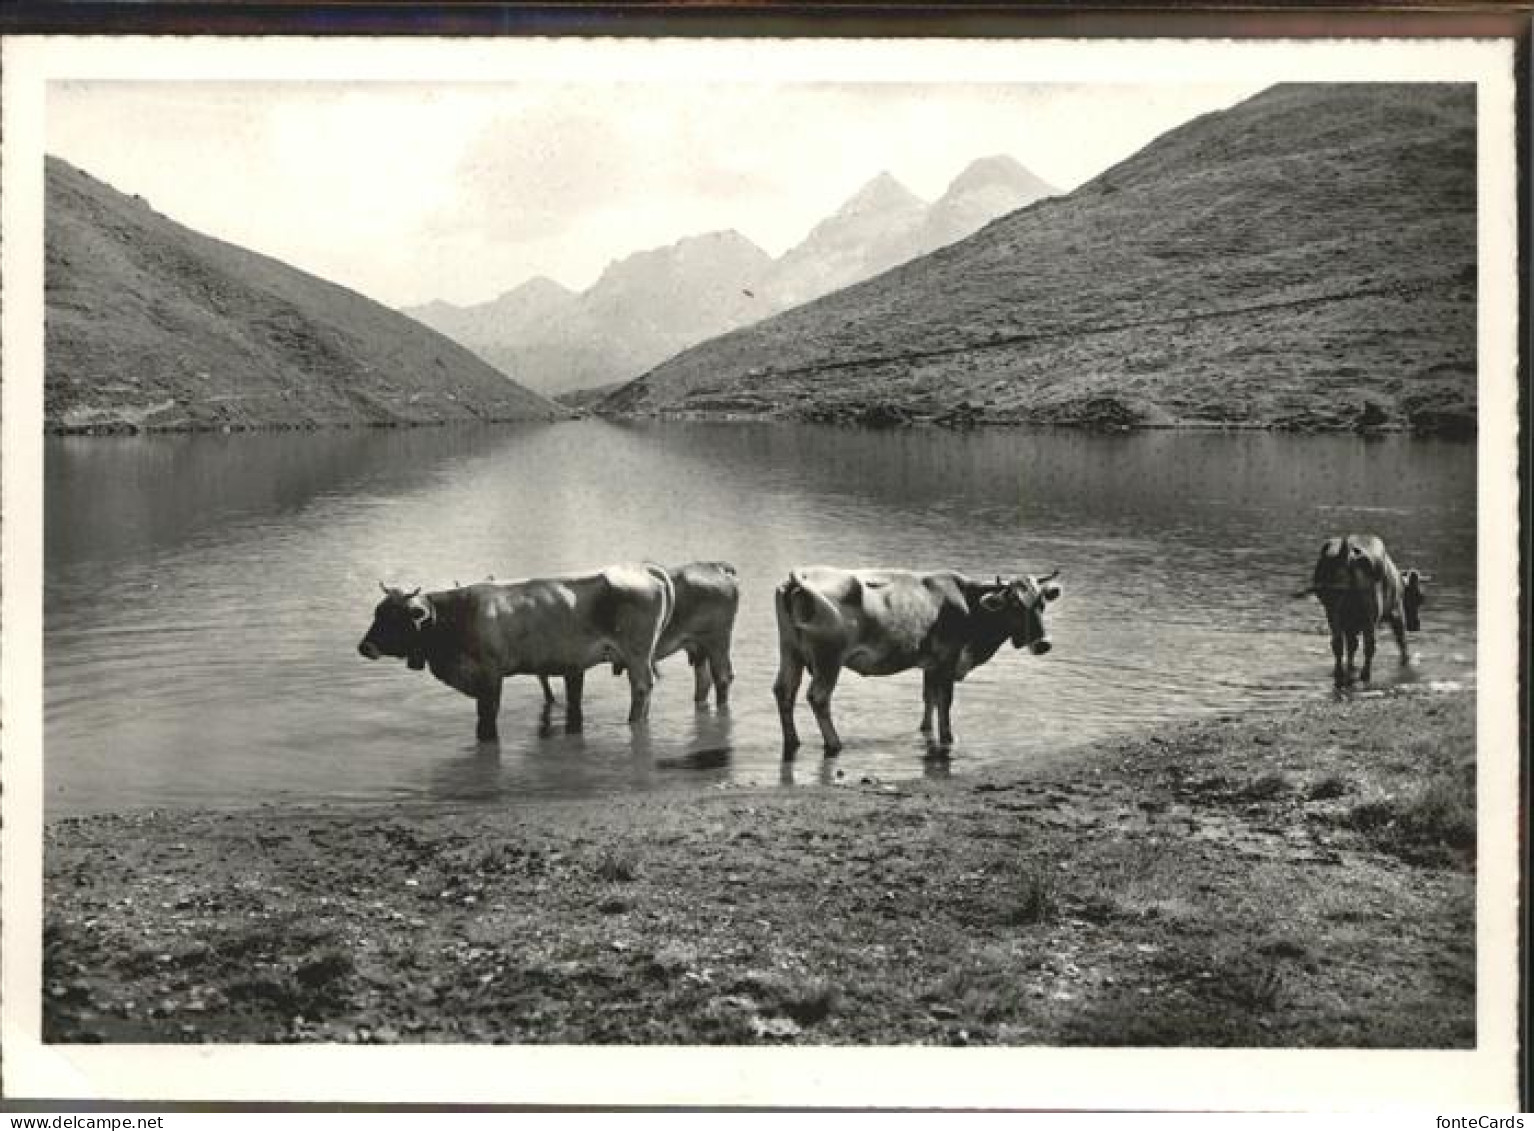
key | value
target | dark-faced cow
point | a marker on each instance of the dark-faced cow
(883, 621)
(702, 623)
(475, 636)
(1360, 588)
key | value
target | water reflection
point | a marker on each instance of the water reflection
(244, 568)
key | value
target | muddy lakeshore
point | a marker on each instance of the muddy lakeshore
(1303, 879)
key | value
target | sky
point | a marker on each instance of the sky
(410, 193)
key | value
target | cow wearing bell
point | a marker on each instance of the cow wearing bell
(1360, 588)
(474, 636)
(883, 621)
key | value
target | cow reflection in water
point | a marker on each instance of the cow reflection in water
(883, 621)
(475, 636)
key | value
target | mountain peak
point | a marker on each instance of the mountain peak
(539, 287)
(999, 171)
(706, 253)
(883, 193)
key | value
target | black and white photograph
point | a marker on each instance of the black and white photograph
(937, 573)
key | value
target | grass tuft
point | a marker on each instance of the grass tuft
(618, 865)
(1038, 899)
(1434, 823)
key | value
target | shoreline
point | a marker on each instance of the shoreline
(1302, 879)
(124, 428)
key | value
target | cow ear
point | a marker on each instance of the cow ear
(994, 602)
(1051, 592)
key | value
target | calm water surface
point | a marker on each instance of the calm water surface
(205, 595)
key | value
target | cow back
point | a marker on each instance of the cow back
(1357, 582)
(881, 620)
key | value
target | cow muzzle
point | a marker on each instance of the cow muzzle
(1040, 647)
(369, 650)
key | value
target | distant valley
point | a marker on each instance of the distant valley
(1305, 259)
(653, 304)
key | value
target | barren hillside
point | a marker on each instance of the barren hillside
(151, 325)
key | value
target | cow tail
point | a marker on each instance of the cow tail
(667, 607)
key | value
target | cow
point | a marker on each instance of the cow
(1360, 588)
(473, 637)
(883, 621)
(702, 622)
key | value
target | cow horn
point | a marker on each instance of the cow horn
(1050, 576)
(414, 592)
(385, 588)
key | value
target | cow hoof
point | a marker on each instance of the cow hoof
(833, 751)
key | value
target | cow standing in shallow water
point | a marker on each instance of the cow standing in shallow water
(883, 621)
(702, 624)
(475, 636)
(1360, 588)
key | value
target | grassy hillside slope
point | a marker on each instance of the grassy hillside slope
(1303, 259)
(151, 325)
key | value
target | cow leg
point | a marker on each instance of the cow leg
(489, 705)
(723, 674)
(700, 677)
(641, 680)
(928, 701)
(575, 685)
(944, 708)
(823, 677)
(1368, 654)
(1338, 674)
(785, 689)
(1398, 627)
(548, 692)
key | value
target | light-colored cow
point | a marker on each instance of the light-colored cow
(883, 621)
